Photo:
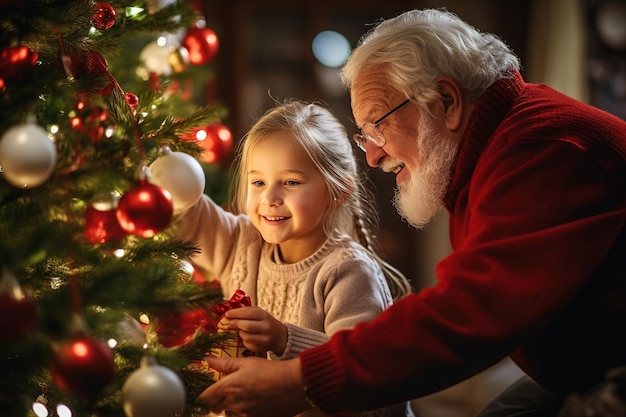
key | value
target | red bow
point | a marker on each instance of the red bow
(239, 299)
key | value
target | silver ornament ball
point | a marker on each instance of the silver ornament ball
(27, 155)
(153, 391)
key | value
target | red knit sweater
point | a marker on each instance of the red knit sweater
(538, 270)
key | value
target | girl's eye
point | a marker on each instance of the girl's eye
(292, 183)
(257, 183)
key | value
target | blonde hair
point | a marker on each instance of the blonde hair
(352, 213)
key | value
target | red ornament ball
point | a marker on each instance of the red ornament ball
(89, 63)
(15, 61)
(176, 329)
(83, 367)
(217, 144)
(216, 141)
(18, 317)
(104, 16)
(202, 45)
(145, 210)
(101, 224)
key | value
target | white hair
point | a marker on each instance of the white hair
(419, 45)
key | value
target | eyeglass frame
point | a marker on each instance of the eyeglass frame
(361, 139)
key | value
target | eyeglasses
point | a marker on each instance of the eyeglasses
(371, 132)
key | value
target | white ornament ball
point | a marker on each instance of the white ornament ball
(181, 175)
(27, 155)
(153, 391)
(155, 58)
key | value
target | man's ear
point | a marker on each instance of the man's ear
(452, 101)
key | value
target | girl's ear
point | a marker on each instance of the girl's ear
(339, 200)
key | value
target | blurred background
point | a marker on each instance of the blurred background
(278, 49)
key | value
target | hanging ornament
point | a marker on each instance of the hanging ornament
(153, 391)
(181, 175)
(83, 366)
(176, 329)
(178, 60)
(27, 155)
(101, 225)
(146, 209)
(18, 313)
(216, 141)
(156, 58)
(202, 45)
(223, 137)
(103, 17)
(87, 63)
(16, 61)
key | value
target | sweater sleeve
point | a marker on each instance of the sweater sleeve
(298, 340)
(215, 231)
(539, 220)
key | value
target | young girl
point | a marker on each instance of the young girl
(303, 244)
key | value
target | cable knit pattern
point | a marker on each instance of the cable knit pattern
(335, 288)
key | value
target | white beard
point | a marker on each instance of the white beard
(422, 198)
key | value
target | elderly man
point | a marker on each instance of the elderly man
(534, 183)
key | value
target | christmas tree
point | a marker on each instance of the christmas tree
(100, 313)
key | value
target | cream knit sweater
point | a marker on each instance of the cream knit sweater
(337, 287)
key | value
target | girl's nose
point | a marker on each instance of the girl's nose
(272, 197)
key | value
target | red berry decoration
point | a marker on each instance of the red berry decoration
(83, 367)
(18, 313)
(202, 45)
(132, 100)
(104, 16)
(145, 210)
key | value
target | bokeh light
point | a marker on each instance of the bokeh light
(331, 48)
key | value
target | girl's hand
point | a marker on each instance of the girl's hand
(258, 329)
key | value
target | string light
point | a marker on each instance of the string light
(63, 410)
(39, 406)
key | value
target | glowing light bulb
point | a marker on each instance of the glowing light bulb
(39, 407)
(63, 411)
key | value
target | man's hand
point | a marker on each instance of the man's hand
(255, 387)
(258, 329)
